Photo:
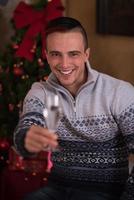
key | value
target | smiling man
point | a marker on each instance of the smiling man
(67, 53)
(96, 130)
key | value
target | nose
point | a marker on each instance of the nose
(64, 61)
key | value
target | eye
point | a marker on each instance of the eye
(74, 54)
(54, 54)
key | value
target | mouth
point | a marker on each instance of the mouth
(66, 72)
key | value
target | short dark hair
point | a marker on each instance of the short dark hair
(65, 24)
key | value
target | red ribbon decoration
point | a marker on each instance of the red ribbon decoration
(36, 21)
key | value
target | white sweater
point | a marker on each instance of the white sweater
(96, 132)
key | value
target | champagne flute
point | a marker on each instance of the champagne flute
(52, 113)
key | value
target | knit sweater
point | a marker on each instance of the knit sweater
(95, 133)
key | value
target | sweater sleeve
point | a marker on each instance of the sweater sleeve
(125, 120)
(31, 115)
(127, 127)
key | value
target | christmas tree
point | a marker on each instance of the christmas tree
(24, 60)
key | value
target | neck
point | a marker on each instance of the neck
(74, 88)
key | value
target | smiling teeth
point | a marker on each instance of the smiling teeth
(66, 72)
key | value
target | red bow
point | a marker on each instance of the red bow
(35, 20)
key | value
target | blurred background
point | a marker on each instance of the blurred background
(109, 25)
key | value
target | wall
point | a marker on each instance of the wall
(109, 53)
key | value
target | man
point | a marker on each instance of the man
(96, 132)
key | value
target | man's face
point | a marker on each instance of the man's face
(66, 56)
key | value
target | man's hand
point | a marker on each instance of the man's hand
(39, 138)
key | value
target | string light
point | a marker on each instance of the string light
(26, 179)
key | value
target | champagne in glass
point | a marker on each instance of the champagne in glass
(52, 112)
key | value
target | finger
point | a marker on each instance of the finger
(36, 140)
(43, 135)
(33, 149)
(41, 142)
(44, 132)
(34, 144)
(40, 139)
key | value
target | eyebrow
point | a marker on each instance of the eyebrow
(53, 51)
(73, 51)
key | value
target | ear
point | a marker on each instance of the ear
(87, 53)
(46, 53)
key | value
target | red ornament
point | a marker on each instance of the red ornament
(40, 62)
(15, 46)
(4, 144)
(33, 50)
(18, 71)
(11, 107)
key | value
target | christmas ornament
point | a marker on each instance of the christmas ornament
(4, 144)
(33, 50)
(40, 62)
(11, 107)
(15, 46)
(18, 71)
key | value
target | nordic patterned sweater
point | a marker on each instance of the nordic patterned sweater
(96, 131)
